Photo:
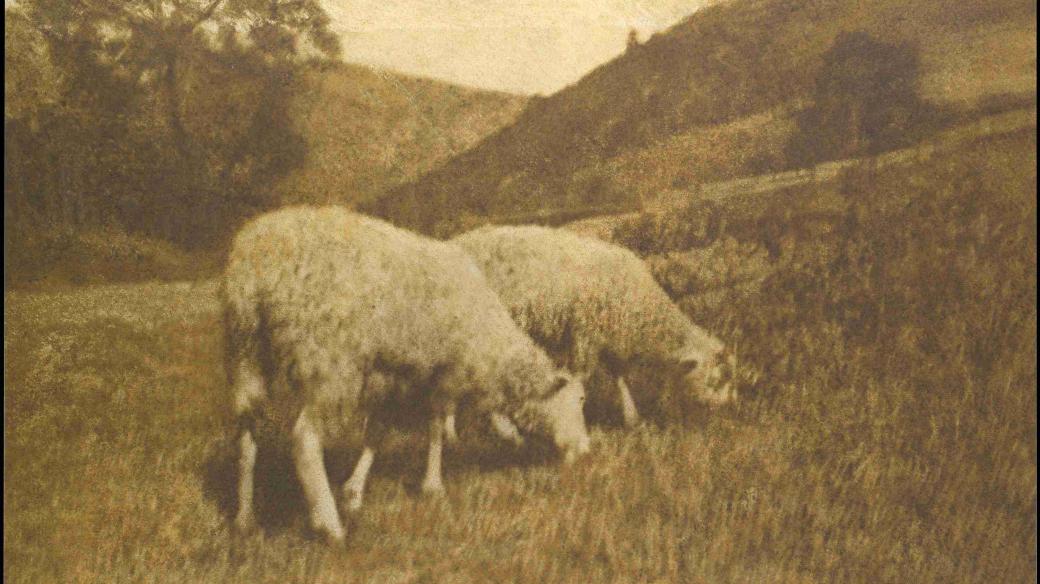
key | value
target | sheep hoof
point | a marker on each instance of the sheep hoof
(335, 541)
(332, 536)
(326, 525)
(245, 524)
(433, 490)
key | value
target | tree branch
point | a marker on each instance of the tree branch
(203, 16)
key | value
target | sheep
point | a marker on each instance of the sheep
(591, 303)
(335, 319)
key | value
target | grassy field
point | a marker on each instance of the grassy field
(892, 439)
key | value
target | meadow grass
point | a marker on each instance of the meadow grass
(892, 437)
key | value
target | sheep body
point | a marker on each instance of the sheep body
(591, 303)
(351, 315)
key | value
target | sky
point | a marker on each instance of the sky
(519, 46)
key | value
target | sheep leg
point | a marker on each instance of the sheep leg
(310, 468)
(245, 520)
(248, 387)
(432, 484)
(628, 406)
(354, 488)
(450, 434)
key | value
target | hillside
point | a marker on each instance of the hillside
(368, 130)
(365, 131)
(714, 97)
(891, 437)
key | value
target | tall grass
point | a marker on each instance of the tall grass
(897, 338)
(892, 437)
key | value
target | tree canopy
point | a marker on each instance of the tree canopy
(169, 117)
(865, 101)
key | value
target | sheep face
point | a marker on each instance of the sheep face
(708, 375)
(560, 417)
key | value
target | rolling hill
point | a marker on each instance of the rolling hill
(713, 97)
(368, 130)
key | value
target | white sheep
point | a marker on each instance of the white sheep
(345, 318)
(591, 303)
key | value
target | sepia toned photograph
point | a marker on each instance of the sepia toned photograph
(572, 291)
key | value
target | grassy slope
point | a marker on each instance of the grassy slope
(680, 98)
(896, 445)
(369, 130)
(366, 130)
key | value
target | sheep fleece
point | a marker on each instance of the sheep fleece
(579, 297)
(338, 296)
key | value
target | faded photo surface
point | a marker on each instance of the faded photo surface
(499, 291)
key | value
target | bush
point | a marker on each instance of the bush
(699, 224)
(177, 123)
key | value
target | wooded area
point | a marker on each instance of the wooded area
(167, 119)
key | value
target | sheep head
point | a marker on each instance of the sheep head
(707, 371)
(559, 417)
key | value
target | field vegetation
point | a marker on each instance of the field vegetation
(891, 437)
(889, 313)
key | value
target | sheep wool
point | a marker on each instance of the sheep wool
(347, 310)
(591, 303)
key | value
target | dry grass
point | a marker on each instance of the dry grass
(54, 257)
(117, 470)
(892, 446)
(745, 147)
(368, 131)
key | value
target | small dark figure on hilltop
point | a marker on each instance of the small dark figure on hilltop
(633, 39)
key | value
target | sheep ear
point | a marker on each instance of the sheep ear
(559, 383)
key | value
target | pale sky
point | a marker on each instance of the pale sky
(522, 46)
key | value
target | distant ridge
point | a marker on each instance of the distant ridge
(370, 129)
(710, 99)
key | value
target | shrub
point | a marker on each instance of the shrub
(865, 102)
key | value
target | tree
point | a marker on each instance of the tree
(864, 102)
(30, 79)
(171, 116)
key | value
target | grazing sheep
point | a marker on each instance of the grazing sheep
(591, 303)
(346, 319)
